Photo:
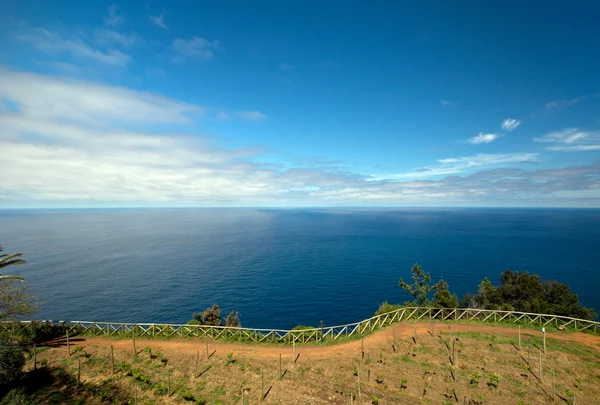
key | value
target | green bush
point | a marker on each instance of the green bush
(386, 307)
(17, 396)
(12, 360)
(34, 332)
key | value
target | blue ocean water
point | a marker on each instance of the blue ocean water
(280, 268)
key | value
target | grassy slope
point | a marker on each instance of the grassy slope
(489, 370)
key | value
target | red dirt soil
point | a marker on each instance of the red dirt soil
(382, 336)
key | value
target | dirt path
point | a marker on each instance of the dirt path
(401, 330)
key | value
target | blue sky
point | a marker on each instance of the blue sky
(299, 104)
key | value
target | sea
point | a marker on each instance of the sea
(283, 267)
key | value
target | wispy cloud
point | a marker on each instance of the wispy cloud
(510, 124)
(159, 20)
(47, 97)
(113, 19)
(566, 103)
(446, 103)
(251, 115)
(463, 164)
(572, 140)
(55, 43)
(108, 37)
(195, 48)
(482, 138)
(75, 143)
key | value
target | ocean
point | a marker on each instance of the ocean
(283, 267)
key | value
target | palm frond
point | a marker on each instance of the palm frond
(9, 260)
(11, 278)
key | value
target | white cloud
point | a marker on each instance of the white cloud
(510, 124)
(68, 143)
(47, 97)
(482, 138)
(251, 115)
(53, 42)
(113, 19)
(572, 140)
(567, 103)
(195, 48)
(463, 164)
(159, 20)
(108, 37)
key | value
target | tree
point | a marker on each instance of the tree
(420, 287)
(233, 319)
(443, 298)
(12, 360)
(488, 296)
(210, 316)
(15, 301)
(8, 260)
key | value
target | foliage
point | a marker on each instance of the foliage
(420, 288)
(233, 319)
(17, 396)
(34, 332)
(15, 301)
(524, 292)
(9, 260)
(12, 360)
(443, 298)
(210, 316)
(386, 307)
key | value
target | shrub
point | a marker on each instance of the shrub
(12, 360)
(233, 319)
(386, 307)
(17, 396)
(210, 316)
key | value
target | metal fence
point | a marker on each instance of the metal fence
(326, 333)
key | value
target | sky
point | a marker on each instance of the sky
(299, 103)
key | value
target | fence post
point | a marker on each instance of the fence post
(34, 357)
(540, 364)
(280, 377)
(134, 350)
(544, 338)
(553, 387)
(197, 358)
(358, 376)
(68, 344)
(262, 384)
(294, 352)
(112, 358)
(206, 350)
(519, 337)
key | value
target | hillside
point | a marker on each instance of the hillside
(489, 369)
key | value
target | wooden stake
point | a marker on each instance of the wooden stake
(540, 365)
(78, 371)
(453, 351)
(197, 358)
(544, 338)
(280, 376)
(362, 346)
(351, 399)
(529, 352)
(394, 336)
(206, 350)
(415, 329)
(136, 393)
(465, 401)
(553, 387)
(243, 396)
(519, 337)
(68, 344)
(134, 350)
(294, 352)
(34, 357)
(112, 358)
(262, 385)
(168, 382)
(358, 376)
